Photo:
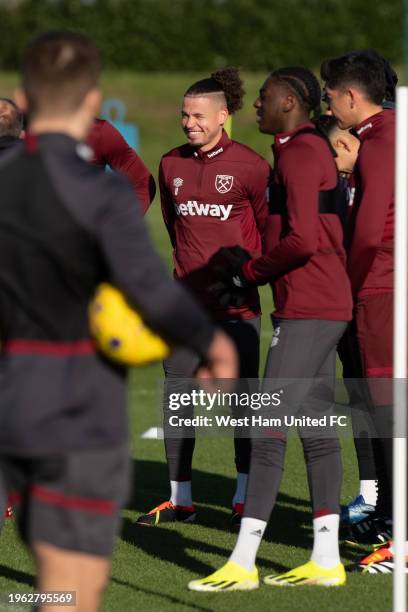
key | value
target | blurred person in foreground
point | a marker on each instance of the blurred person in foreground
(11, 132)
(213, 195)
(108, 148)
(65, 227)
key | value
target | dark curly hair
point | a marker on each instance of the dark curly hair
(303, 84)
(391, 77)
(226, 81)
(366, 68)
(326, 124)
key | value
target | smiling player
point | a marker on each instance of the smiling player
(213, 195)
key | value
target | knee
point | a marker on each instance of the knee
(269, 452)
(320, 448)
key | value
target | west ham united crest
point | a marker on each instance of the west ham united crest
(223, 183)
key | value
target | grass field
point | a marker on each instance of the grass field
(151, 567)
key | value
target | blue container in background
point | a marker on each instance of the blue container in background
(114, 111)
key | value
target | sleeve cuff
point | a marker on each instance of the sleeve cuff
(248, 273)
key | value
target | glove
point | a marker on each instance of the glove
(231, 288)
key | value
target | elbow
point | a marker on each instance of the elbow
(306, 247)
(306, 252)
(363, 249)
(370, 245)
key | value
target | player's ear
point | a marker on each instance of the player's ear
(352, 96)
(288, 103)
(223, 116)
(21, 99)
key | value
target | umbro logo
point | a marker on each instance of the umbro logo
(324, 530)
(177, 183)
(257, 533)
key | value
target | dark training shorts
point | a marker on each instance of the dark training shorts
(71, 501)
(374, 321)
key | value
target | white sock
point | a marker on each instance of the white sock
(239, 496)
(181, 492)
(249, 539)
(368, 489)
(326, 541)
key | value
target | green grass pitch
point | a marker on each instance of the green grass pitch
(151, 567)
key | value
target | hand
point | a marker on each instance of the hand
(222, 359)
(227, 263)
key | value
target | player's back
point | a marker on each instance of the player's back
(50, 264)
(51, 374)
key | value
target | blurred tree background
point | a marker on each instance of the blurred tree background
(189, 35)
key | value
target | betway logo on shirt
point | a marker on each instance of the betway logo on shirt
(198, 209)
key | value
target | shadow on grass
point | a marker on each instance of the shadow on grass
(353, 554)
(169, 598)
(29, 580)
(17, 575)
(151, 479)
(151, 488)
(171, 546)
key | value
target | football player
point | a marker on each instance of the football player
(304, 260)
(213, 195)
(356, 86)
(111, 149)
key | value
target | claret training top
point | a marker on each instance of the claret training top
(111, 149)
(304, 256)
(370, 232)
(210, 200)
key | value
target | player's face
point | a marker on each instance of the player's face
(341, 105)
(202, 118)
(8, 114)
(269, 108)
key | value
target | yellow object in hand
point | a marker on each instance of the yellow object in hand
(120, 332)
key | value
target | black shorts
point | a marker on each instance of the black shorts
(72, 501)
(374, 320)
